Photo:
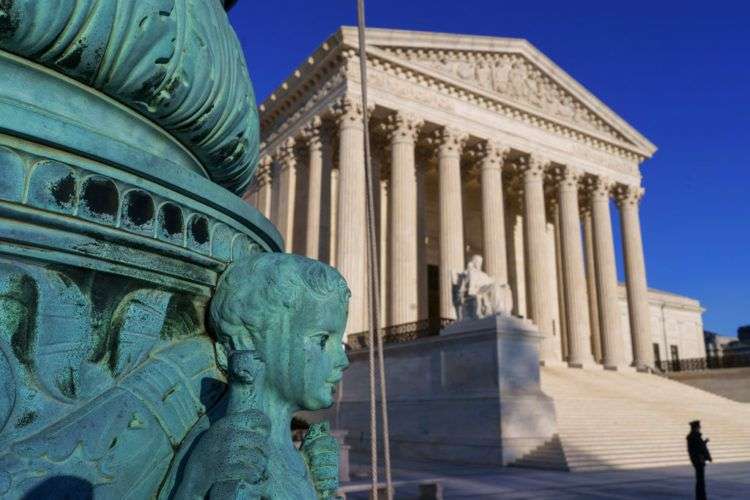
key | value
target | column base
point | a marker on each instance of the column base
(585, 365)
(553, 363)
(620, 368)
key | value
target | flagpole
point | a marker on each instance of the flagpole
(373, 289)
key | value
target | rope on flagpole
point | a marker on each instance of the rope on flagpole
(373, 290)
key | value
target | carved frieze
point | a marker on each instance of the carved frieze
(513, 77)
(603, 159)
(408, 91)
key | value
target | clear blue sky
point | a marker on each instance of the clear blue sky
(677, 71)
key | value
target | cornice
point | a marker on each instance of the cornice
(303, 92)
(302, 85)
(302, 104)
(465, 91)
(435, 41)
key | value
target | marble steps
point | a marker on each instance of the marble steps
(624, 458)
(666, 447)
(711, 430)
(614, 420)
(604, 442)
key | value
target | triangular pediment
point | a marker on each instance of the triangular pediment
(511, 70)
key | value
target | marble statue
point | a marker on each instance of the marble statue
(478, 295)
(154, 342)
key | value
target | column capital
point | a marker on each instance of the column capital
(551, 205)
(570, 177)
(449, 141)
(514, 197)
(348, 111)
(312, 133)
(263, 173)
(598, 187)
(534, 166)
(490, 154)
(628, 194)
(403, 127)
(584, 204)
(285, 153)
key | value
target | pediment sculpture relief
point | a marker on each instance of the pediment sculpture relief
(515, 78)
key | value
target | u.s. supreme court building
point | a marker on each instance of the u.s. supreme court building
(481, 146)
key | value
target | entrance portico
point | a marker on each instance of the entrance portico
(485, 147)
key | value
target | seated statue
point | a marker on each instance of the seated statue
(280, 318)
(478, 295)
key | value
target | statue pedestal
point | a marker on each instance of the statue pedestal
(516, 348)
(470, 395)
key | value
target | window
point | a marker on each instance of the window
(657, 355)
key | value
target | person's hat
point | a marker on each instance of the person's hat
(695, 423)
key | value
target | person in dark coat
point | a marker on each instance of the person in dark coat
(699, 453)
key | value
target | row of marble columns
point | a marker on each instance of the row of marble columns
(586, 262)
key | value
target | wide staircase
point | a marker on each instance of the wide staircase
(627, 420)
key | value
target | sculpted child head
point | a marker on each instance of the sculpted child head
(292, 311)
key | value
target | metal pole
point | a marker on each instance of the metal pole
(373, 290)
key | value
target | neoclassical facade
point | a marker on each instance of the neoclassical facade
(480, 146)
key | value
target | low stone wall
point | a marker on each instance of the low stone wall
(732, 383)
(470, 397)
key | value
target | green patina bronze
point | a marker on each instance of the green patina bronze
(153, 343)
(281, 319)
(176, 62)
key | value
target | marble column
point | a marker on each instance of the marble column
(628, 198)
(559, 283)
(450, 143)
(574, 275)
(351, 227)
(515, 248)
(613, 356)
(591, 288)
(327, 197)
(275, 189)
(333, 236)
(312, 134)
(254, 198)
(423, 292)
(287, 190)
(265, 188)
(403, 292)
(493, 210)
(540, 301)
(384, 248)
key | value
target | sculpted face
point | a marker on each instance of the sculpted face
(292, 311)
(476, 262)
(308, 356)
(320, 329)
